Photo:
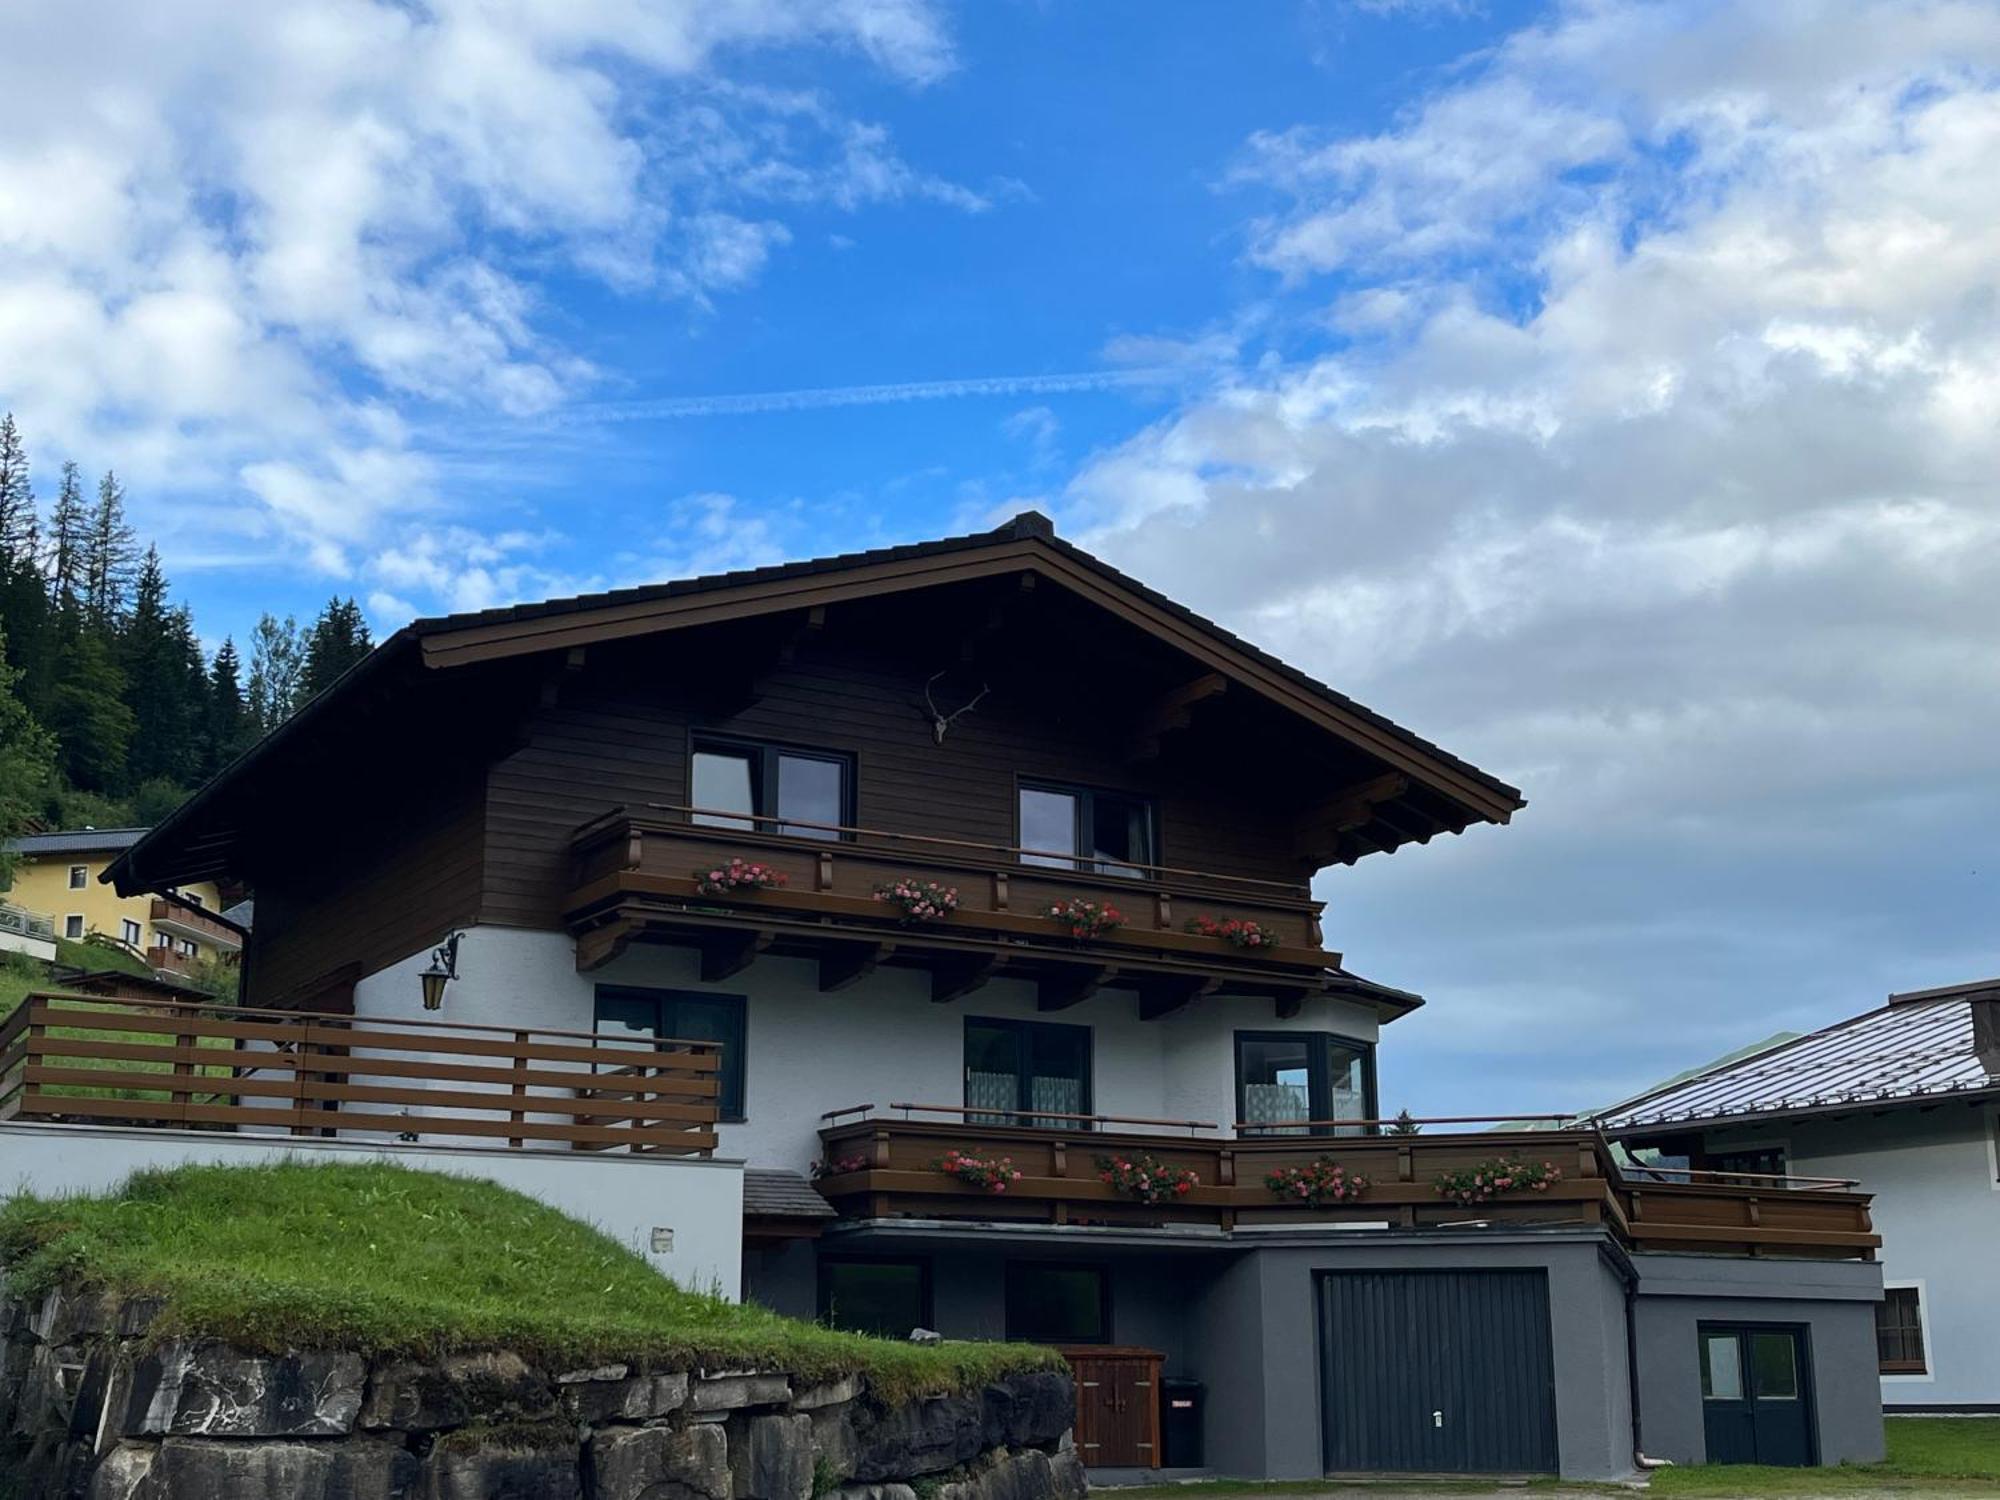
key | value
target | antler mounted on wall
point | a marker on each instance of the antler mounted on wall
(941, 721)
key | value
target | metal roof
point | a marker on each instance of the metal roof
(76, 841)
(1919, 1047)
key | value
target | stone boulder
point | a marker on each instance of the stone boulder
(921, 1437)
(356, 1468)
(1030, 1410)
(511, 1463)
(771, 1457)
(660, 1463)
(460, 1390)
(206, 1389)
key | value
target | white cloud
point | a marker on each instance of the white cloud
(1658, 468)
(239, 243)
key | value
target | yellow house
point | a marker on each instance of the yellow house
(55, 875)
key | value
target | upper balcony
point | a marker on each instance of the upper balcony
(638, 876)
(178, 917)
(882, 1166)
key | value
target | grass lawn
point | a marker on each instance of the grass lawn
(1927, 1456)
(383, 1259)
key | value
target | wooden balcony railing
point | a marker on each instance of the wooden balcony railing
(88, 1060)
(184, 919)
(832, 871)
(880, 1167)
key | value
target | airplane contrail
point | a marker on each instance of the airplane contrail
(750, 403)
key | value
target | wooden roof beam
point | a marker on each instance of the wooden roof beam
(1174, 710)
(849, 963)
(725, 954)
(1321, 831)
(1072, 986)
(1162, 997)
(955, 979)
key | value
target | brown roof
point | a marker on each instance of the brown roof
(1027, 542)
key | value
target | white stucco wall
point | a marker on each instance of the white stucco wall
(628, 1197)
(1937, 1207)
(880, 1041)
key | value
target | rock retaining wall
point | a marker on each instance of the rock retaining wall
(93, 1408)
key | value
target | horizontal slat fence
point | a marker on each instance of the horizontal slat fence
(90, 1060)
(883, 1167)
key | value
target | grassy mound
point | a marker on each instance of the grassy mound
(385, 1260)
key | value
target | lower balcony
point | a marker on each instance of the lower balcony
(86, 1060)
(885, 1164)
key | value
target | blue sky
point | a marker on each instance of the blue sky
(1609, 389)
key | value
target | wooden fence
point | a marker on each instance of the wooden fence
(87, 1060)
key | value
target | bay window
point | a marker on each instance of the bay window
(1285, 1079)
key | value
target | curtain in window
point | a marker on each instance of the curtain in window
(1275, 1103)
(994, 1091)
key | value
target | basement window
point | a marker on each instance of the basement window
(1899, 1331)
(1051, 1304)
(887, 1298)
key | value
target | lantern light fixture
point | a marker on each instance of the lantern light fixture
(442, 970)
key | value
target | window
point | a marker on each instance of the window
(73, 925)
(1071, 828)
(1049, 1304)
(1899, 1331)
(1721, 1367)
(190, 897)
(129, 930)
(1286, 1076)
(685, 1016)
(79, 877)
(1766, 1161)
(1026, 1069)
(763, 782)
(887, 1298)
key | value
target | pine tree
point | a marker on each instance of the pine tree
(27, 759)
(277, 657)
(68, 523)
(155, 646)
(17, 495)
(109, 550)
(229, 730)
(339, 639)
(87, 713)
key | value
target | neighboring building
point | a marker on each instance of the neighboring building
(685, 812)
(1904, 1100)
(174, 929)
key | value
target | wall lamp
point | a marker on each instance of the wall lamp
(443, 969)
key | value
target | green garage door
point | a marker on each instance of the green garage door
(1437, 1372)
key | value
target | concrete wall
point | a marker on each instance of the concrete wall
(880, 1041)
(627, 1197)
(1937, 1207)
(1833, 1300)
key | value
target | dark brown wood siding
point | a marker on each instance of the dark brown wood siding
(393, 879)
(618, 734)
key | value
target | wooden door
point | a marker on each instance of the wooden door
(1117, 1407)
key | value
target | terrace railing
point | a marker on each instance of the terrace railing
(87, 1060)
(24, 923)
(877, 1165)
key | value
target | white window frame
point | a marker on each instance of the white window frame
(74, 883)
(1929, 1377)
(130, 932)
(82, 928)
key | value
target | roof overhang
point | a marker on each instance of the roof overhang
(190, 844)
(1653, 1129)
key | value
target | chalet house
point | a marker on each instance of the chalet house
(934, 925)
(1905, 1099)
(174, 929)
